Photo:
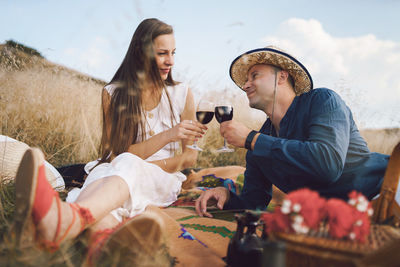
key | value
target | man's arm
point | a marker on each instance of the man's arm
(321, 157)
(318, 160)
(256, 192)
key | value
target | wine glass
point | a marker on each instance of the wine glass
(224, 112)
(204, 114)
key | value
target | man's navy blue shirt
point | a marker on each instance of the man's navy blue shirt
(318, 147)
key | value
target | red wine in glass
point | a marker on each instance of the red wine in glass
(204, 117)
(224, 113)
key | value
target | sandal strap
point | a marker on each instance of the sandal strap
(57, 242)
(85, 215)
(58, 218)
(54, 245)
(96, 242)
(44, 195)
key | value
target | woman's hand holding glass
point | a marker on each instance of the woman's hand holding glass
(186, 130)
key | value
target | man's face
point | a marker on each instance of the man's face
(260, 86)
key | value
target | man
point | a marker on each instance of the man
(309, 139)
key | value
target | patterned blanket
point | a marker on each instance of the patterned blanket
(200, 241)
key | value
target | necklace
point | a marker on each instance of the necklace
(150, 115)
(151, 131)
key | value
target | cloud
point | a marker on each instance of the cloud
(92, 58)
(363, 69)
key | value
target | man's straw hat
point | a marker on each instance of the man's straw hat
(271, 56)
(11, 153)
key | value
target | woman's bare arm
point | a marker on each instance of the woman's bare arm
(189, 156)
(186, 131)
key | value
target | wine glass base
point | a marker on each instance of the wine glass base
(225, 150)
(194, 147)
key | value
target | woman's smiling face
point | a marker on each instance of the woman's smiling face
(164, 49)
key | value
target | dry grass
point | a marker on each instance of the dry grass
(55, 109)
(49, 107)
(381, 140)
(58, 110)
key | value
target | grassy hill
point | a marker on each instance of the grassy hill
(48, 106)
(18, 57)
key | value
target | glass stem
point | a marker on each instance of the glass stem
(224, 142)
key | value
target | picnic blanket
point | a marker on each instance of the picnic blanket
(194, 240)
(200, 241)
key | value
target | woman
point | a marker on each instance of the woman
(145, 114)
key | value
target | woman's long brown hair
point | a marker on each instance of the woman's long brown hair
(136, 71)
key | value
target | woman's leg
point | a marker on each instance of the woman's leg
(104, 195)
(100, 197)
(54, 219)
(107, 222)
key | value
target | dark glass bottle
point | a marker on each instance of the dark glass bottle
(233, 254)
(252, 247)
(245, 249)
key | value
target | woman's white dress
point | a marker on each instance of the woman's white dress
(148, 184)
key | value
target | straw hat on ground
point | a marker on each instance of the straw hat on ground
(271, 56)
(11, 153)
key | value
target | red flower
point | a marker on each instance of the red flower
(309, 205)
(304, 209)
(362, 211)
(276, 222)
(360, 202)
(301, 211)
(340, 217)
(360, 228)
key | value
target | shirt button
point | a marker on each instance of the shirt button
(150, 115)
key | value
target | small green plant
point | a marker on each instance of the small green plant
(23, 48)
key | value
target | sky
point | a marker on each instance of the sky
(352, 47)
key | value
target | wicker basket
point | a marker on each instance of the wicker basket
(319, 250)
(382, 247)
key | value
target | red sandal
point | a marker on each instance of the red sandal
(34, 197)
